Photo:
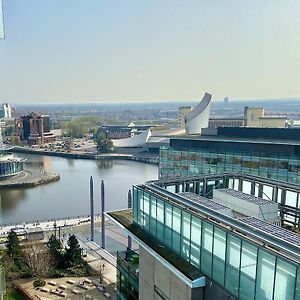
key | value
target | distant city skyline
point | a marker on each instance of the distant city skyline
(139, 51)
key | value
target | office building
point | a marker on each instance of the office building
(191, 246)
(34, 129)
(267, 152)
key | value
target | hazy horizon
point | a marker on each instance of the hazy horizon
(76, 51)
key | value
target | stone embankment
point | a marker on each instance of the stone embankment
(29, 179)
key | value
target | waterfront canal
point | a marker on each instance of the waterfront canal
(70, 195)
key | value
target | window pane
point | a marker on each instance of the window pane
(160, 220)
(206, 250)
(186, 231)
(153, 216)
(284, 280)
(297, 294)
(248, 271)
(219, 255)
(176, 229)
(233, 263)
(265, 275)
(168, 225)
(195, 241)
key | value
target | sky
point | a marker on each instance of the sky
(133, 50)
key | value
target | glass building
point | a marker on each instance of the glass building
(9, 165)
(189, 157)
(244, 258)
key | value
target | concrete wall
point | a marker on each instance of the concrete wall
(155, 278)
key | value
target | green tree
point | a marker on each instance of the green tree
(13, 246)
(80, 126)
(55, 248)
(73, 252)
(104, 144)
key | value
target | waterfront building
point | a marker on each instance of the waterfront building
(34, 129)
(193, 247)
(9, 165)
(267, 152)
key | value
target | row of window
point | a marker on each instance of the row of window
(185, 163)
(10, 168)
(246, 270)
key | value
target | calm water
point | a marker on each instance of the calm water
(70, 195)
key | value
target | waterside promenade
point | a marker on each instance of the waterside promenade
(28, 178)
(141, 157)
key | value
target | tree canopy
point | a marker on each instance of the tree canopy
(73, 252)
(13, 246)
(80, 126)
(104, 144)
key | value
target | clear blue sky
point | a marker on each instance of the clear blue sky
(139, 50)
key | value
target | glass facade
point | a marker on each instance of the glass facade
(189, 162)
(8, 164)
(127, 276)
(245, 269)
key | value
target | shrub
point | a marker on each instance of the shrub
(39, 282)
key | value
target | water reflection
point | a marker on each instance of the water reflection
(70, 195)
(104, 164)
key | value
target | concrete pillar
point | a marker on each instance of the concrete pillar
(275, 194)
(282, 202)
(92, 208)
(252, 188)
(240, 185)
(260, 190)
(129, 243)
(102, 215)
(197, 188)
(204, 191)
(176, 188)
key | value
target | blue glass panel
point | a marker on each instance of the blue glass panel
(219, 255)
(233, 253)
(265, 275)
(195, 241)
(206, 249)
(284, 280)
(248, 271)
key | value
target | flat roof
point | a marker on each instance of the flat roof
(237, 139)
(273, 230)
(203, 201)
(124, 217)
(249, 198)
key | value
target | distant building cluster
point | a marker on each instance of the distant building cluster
(34, 129)
(253, 117)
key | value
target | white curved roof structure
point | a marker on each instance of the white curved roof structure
(136, 141)
(199, 116)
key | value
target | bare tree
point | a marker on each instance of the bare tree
(39, 260)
